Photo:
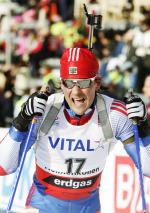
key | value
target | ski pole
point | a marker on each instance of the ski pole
(44, 89)
(34, 120)
(136, 134)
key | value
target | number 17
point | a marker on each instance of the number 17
(70, 163)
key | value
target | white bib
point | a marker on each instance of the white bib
(68, 150)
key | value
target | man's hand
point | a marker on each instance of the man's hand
(35, 105)
(135, 108)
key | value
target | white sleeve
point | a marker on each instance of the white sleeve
(9, 151)
(123, 129)
(121, 124)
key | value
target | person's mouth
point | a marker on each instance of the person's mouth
(78, 100)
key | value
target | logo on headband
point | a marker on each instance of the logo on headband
(73, 70)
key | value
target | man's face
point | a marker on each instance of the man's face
(78, 99)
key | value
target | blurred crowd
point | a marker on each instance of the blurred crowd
(33, 37)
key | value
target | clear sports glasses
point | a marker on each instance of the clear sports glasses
(82, 84)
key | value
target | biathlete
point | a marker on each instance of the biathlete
(71, 152)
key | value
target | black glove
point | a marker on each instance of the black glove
(34, 106)
(136, 108)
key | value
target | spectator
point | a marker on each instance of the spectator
(2, 100)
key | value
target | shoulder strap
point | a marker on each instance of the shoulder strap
(54, 110)
(52, 113)
(103, 118)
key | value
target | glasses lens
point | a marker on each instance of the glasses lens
(84, 83)
(68, 83)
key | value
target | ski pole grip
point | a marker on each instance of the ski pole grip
(132, 98)
(46, 90)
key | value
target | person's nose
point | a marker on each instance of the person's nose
(76, 89)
